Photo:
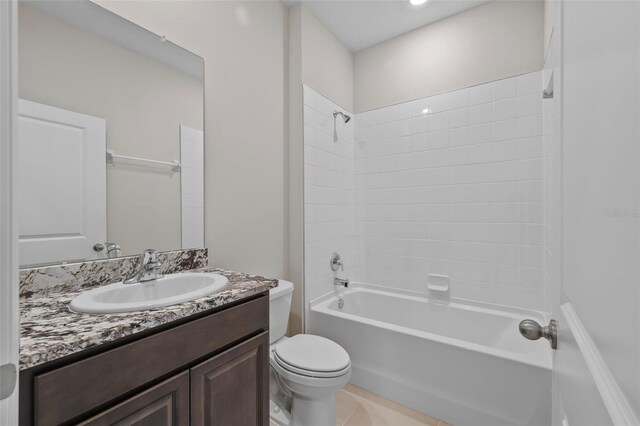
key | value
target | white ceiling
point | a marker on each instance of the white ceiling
(363, 23)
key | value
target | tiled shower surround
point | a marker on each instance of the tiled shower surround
(450, 184)
(328, 192)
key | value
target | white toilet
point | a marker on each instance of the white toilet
(306, 370)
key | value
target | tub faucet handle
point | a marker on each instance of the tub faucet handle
(336, 262)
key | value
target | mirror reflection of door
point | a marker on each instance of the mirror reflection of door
(62, 189)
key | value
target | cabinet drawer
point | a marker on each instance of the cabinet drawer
(71, 391)
(166, 404)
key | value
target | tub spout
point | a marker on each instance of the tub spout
(341, 282)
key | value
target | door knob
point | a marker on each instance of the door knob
(531, 330)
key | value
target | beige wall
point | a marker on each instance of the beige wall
(318, 59)
(486, 43)
(327, 65)
(549, 19)
(143, 102)
(296, 170)
(243, 45)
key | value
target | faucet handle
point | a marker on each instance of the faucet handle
(149, 256)
(336, 262)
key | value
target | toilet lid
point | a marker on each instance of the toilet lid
(312, 353)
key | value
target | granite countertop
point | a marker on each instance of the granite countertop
(49, 330)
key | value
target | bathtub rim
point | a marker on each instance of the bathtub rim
(535, 358)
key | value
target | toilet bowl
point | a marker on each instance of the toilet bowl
(306, 370)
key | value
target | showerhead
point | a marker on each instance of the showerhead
(345, 117)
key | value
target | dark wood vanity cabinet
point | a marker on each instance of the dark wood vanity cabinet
(212, 370)
(228, 389)
(166, 404)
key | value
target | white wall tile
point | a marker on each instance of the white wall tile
(481, 94)
(530, 169)
(531, 191)
(481, 133)
(438, 103)
(505, 129)
(506, 88)
(459, 136)
(402, 111)
(309, 97)
(458, 190)
(482, 113)
(387, 130)
(504, 109)
(459, 99)
(530, 83)
(329, 167)
(419, 124)
(439, 121)
(385, 115)
(481, 153)
(505, 150)
(530, 104)
(403, 127)
(504, 171)
(439, 139)
(530, 126)
(459, 117)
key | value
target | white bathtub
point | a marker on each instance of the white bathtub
(462, 362)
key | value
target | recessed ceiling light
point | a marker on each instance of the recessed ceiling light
(417, 2)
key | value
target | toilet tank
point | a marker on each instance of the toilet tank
(279, 307)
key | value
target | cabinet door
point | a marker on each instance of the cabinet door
(232, 388)
(166, 404)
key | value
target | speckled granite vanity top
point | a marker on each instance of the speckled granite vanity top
(49, 330)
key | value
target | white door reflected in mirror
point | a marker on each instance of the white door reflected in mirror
(62, 184)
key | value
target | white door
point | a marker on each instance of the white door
(597, 97)
(62, 215)
(9, 340)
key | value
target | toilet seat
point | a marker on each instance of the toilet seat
(312, 356)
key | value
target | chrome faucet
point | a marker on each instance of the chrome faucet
(336, 263)
(149, 268)
(113, 250)
(341, 282)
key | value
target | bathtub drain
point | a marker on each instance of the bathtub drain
(340, 303)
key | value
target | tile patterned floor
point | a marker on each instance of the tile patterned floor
(358, 407)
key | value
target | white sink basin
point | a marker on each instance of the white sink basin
(169, 290)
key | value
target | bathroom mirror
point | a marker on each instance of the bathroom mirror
(110, 136)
